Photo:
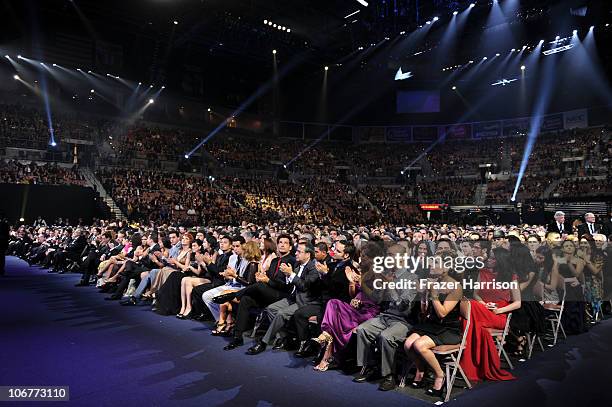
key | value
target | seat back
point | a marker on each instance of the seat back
(465, 307)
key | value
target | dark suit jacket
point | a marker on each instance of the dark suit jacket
(583, 229)
(219, 266)
(306, 289)
(278, 280)
(552, 227)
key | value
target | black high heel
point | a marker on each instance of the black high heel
(436, 393)
(418, 384)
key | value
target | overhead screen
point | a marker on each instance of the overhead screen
(418, 101)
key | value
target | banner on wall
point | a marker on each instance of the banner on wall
(552, 122)
(458, 132)
(575, 119)
(398, 134)
(516, 127)
(487, 129)
(371, 134)
(425, 133)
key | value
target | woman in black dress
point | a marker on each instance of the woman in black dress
(571, 269)
(193, 277)
(441, 324)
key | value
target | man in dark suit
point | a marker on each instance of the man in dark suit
(72, 251)
(589, 226)
(302, 279)
(270, 287)
(559, 225)
(607, 226)
(102, 247)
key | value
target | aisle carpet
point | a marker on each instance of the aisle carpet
(52, 333)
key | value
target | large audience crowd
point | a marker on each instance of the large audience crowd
(314, 289)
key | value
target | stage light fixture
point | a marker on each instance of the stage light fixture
(151, 101)
(88, 71)
(575, 32)
(265, 21)
(186, 156)
(435, 19)
(150, 86)
(270, 23)
(53, 144)
(19, 57)
(54, 64)
(454, 88)
(428, 22)
(288, 30)
(279, 27)
(455, 13)
(274, 51)
(274, 25)
(92, 91)
(327, 68)
(16, 77)
(175, 22)
(591, 28)
(402, 32)
(163, 87)
(497, 54)
(472, 5)
(139, 83)
(484, 58)
(522, 67)
(7, 57)
(209, 110)
(42, 63)
(471, 62)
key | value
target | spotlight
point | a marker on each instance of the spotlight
(42, 64)
(79, 69)
(175, 22)
(186, 156)
(471, 62)
(401, 33)
(472, 5)
(265, 21)
(607, 24)
(16, 77)
(557, 37)
(288, 30)
(402, 172)
(454, 88)
(274, 51)
(497, 55)
(53, 144)
(21, 219)
(92, 91)
(522, 67)
(435, 19)
(209, 110)
(274, 25)
(279, 27)
(512, 50)
(428, 22)
(484, 58)
(19, 57)
(284, 165)
(163, 87)
(139, 83)
(575, 32)
(150, 86)
(327, 68)
(455, 13)
(54, 64)
(270, 23)
(7, 57)
(284, 28)
(591, 28)
(151, 101)
(88, 71)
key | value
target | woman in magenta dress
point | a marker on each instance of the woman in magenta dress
(341, 319)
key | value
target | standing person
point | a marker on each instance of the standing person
(589, 226)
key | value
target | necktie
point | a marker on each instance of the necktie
(561, 227)
(591, 228)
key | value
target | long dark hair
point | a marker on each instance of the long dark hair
(503, 264)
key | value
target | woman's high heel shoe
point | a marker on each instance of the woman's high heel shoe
(436, 393)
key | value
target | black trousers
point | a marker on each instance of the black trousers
(197, 305)
(301, 317)
(258, 295)
(132, 271)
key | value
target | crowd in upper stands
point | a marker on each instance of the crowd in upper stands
(15, 172)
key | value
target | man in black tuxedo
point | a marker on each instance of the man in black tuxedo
(101, 248)
(304, 292)
(559, 225)
(72, 251)
(270, 287)
(589, 226)
(607, 226)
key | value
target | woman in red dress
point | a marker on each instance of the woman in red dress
(490, 309)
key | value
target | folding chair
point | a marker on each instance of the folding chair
(452, 353)
(555, 319)
(500, 338)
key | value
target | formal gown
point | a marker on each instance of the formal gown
(169, 295)
(341, 318)
(480, 360)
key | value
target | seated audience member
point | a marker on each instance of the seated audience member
(269, 288)
(387, 330)
(440, 326)
(252, 254)
(178, 263)
(571, 271)
(490, 309)
(304, 291)
(341, 318)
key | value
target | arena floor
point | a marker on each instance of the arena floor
(111, 355)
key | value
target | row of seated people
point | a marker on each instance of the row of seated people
(449, 190)
(16, 172)
(317, 287)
